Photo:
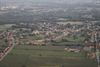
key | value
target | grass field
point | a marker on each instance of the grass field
(4, 27)
(45, 56)
(69, 40)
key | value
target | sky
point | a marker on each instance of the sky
(55, 1)
(28, 2)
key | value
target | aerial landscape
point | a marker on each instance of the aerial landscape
(49, 33)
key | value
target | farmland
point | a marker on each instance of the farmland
(44, 56)
(49, 33)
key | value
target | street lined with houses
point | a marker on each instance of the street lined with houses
(10, 45)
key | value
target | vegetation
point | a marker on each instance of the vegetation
(44, 56)
(69, 41)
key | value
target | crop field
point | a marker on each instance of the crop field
(4, 27)
(71, 22)
(45, 56)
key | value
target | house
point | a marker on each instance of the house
(37, 42)
(72, 49)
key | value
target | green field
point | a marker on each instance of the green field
(4, 27)
(68, 40)
(45, 56)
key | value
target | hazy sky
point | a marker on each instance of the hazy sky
(57, 1)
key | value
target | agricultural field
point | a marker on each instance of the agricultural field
(5, 27)
(71, 22)
(45, 56)
(66, 41)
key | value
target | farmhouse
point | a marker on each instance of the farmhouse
(37, 42)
